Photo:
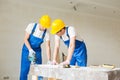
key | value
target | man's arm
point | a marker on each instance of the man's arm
(48, 50)
(26, 40)
(71, 49)
(56, 51)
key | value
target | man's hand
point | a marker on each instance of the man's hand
(65, 62)
(54, 62)
(31, 55)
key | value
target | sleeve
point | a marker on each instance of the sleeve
(47, 36)
(57, 37)
(71, 32)
(29, 28)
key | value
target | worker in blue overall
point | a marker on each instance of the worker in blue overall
(35, 34)
(77, 52)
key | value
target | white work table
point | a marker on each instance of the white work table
(81, 73)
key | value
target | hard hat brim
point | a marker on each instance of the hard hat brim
(53, 32)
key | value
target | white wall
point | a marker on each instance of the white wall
(102, 35)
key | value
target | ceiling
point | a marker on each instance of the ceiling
(106, 8)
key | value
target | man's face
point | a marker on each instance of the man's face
(61, 32)
(42, 28)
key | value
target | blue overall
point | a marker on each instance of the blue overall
(80, 52)
(35, 43)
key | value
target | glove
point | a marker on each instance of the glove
(31, 56)
(49, 62)
(65, 62)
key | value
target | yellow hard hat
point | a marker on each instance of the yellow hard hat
(56, 26)
(45, 21)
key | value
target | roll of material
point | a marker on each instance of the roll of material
(52, 79)
(111, 66)
(66, 66)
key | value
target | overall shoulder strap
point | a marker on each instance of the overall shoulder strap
(44, 34)
(67, 32)
(35, 25)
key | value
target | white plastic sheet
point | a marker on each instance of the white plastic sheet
(81, 73)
